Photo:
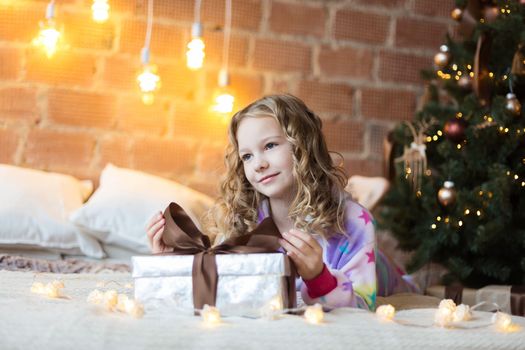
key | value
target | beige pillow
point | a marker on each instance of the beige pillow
(118, 211)
(34, 210)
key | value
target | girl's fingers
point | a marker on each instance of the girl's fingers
(292, 251)
(298, 243)
(305, 237)
(157, 227)
(154, 219)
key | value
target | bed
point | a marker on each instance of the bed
(31, 321)
(54, 227)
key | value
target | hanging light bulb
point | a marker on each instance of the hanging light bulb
(195, 54)
(48, 37)
(100, 10)
(148, 79)
(223, 99)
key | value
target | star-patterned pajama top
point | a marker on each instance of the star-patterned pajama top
(350, 257)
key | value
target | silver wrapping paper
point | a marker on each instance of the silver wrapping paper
(247, 282)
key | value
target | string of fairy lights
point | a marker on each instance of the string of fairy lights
(447, 315)
(50, 40)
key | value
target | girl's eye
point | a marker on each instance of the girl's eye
(270, 145)
(245, 157)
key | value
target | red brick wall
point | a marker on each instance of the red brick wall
(355, 62)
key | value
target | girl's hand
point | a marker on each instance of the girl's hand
(305, 252)
(154, 230)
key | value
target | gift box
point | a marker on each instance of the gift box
(246, 284)
(240, 276)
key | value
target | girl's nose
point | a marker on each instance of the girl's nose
(261, 164)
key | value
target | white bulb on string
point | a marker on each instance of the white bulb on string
(195, 54)
(100, 10)
(49, 36)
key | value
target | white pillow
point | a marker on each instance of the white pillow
(118, 211)
(34, 210)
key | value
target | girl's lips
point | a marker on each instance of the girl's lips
(268, 178)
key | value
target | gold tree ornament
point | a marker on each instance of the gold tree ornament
(457, 14)
(442, 58)
(512, 104)
(447, 194)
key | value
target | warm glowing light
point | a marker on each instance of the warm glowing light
(210, 315)
(223, 103)
(149, 82)
(467, 211)
(48, 38)
(501, 321)
(195, 54)
(478, 212)
(100, 10)
(460, 223)
(433, 226)
(386, 312)
(438, 218)
(51, 290)
(273, 308)
(314, 314)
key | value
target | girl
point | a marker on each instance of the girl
(278, 165)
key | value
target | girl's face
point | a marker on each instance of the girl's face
(266, 156)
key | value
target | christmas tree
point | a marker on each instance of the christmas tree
(458, 194)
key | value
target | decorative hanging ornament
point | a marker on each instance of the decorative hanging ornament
(447, 194)
(482, 83)
(512, 105)
(518, 62)
(414, 157)
(442, 58)
(454, 129)
(457, 14)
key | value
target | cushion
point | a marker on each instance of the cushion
(367, 191)
(119, 210)
(34, 210)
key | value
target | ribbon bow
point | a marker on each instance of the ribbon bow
(183, 235)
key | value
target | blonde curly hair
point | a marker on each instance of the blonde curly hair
(319, 202)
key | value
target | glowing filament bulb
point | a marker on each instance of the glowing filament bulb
(224, 100)
(224, 103)
(195, 54)
(48, 38)
(149, 82)
(100, 10)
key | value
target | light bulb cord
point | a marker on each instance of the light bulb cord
(227, 34)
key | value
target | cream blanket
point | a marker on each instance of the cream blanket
(29, 321)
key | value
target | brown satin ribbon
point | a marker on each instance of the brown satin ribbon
(181, 233)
